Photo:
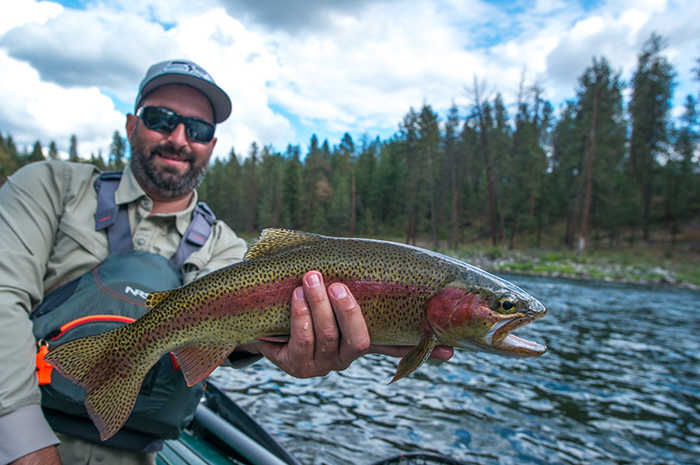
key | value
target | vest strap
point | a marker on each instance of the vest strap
(110, 216)
(115, 219)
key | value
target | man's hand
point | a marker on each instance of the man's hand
(45, 456)
(328, 332)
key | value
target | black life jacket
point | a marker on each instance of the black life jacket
(112, 294)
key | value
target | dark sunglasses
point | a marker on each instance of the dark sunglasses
(165, 121)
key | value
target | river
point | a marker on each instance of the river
(620, 384)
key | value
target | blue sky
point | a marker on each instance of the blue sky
(306, 67)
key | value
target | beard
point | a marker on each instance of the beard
(164, 182)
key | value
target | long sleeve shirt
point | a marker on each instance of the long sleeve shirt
(48, 238)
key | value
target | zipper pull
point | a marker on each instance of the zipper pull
(43, 369)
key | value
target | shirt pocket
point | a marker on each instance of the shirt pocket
(81, 231)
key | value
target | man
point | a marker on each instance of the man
(49, 239)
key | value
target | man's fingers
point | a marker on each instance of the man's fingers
(302, 326)
(297, 356)
(353, 329)
(324, 321)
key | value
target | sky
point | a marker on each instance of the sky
(298, 68)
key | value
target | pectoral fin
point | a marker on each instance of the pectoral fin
(415, 358)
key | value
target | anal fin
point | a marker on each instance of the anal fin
(197, 362)
(415, 358)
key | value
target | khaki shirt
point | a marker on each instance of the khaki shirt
(48, 238)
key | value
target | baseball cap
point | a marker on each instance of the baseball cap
(188, 73)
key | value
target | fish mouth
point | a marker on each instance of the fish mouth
(500, 339)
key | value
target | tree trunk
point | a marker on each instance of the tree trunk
(589, 162)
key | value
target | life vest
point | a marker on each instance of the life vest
(112, 294)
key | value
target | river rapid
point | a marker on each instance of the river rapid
(620, 384)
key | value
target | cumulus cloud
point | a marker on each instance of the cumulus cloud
(373, 67)
(242, 64)
(33, 109)
(90, 48)
(312, 66)
(295, 16)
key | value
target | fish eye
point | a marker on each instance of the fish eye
(507, 304)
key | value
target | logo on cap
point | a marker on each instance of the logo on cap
(187, 68)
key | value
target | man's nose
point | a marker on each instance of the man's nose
(178, 136)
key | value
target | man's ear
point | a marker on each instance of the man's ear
(131, 121)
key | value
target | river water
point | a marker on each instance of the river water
(620, 384)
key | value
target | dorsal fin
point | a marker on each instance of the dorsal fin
(275, 241)
(155, 298)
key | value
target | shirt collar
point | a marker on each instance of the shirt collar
(130, 190)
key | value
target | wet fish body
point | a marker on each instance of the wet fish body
(408, 296)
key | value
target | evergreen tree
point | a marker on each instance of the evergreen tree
(482, 115)
(566, 165)
(600, 119)
(453, 162)
(429, 148)
(250, 173)
(37, 154)
(117, 150)
(652, 89)
(368, 196)
(73, 150)
(8, 158)
(53, 151)
(415, 171)
(681, 170)
(270, 197)
(292, 189)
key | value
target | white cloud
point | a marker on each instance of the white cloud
(241, 64)
(373, 68)
(28, 11)
(33, 109)
(356, 67)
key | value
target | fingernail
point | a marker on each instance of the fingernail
(312, 280)
(299, 293)
(339, 292)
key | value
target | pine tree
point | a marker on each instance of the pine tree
(37, 154)
(600, 119)
(681, 190)
(117, 151)
(482, 115)
(73, 150)
(53, 151)
(292, 189)
(652, 89)
(429, 147)
(453, 163)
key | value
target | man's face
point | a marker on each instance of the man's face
(169, 165)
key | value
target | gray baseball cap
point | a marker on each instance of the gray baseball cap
(188, 73)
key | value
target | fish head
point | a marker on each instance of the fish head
(478, 311)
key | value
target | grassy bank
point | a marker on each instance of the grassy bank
(658, 262)
(642, 264)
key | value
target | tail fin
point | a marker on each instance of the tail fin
(110, 378)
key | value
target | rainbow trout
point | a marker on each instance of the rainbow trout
(408, 296)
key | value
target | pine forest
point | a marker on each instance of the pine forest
(611, 167)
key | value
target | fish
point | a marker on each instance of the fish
(408, 296)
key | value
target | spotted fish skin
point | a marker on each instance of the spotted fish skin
(408, 296)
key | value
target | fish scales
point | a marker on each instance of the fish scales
(408, 296)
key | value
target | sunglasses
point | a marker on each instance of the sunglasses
(165, 121)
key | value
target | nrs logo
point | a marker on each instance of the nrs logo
(136, 292)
